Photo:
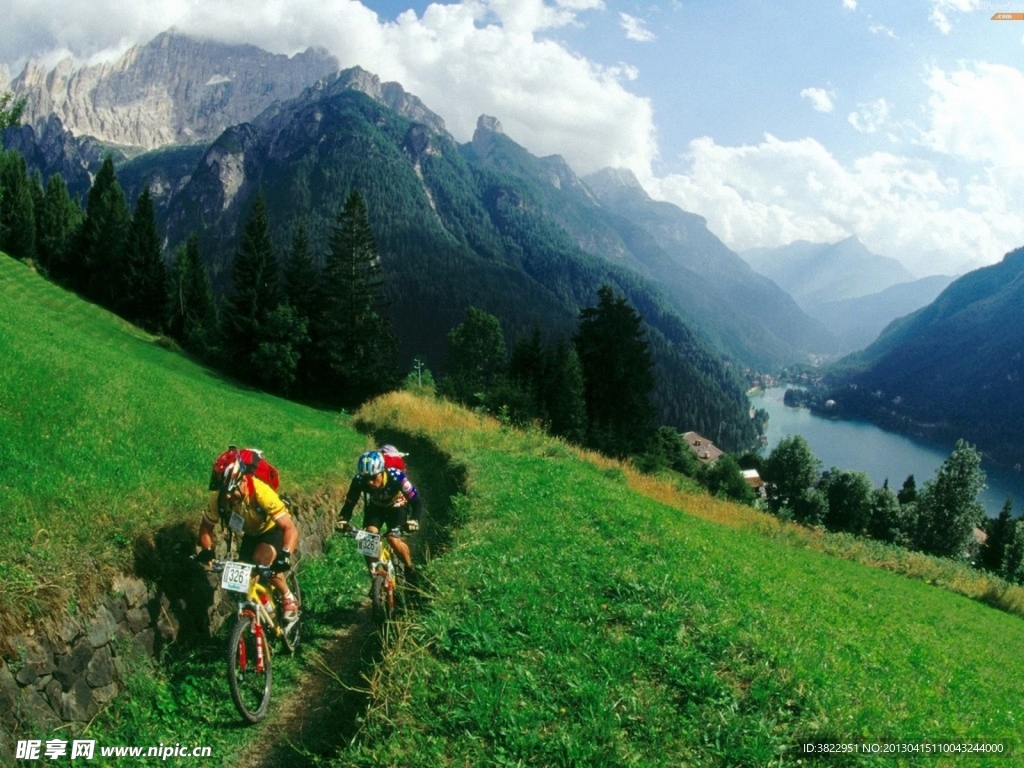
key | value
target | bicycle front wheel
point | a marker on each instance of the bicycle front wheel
(381, 599)
(249, 674)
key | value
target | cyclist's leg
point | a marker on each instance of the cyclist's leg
(396, 520)
(263, 549)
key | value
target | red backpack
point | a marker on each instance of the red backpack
(254, 464)
(393, 458)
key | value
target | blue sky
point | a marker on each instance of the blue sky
(899, 122)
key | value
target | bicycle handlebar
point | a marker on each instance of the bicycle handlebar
(265, 571)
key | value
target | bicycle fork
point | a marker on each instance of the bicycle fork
(257, 632)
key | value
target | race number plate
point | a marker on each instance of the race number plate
(368, 544)
(236, 577)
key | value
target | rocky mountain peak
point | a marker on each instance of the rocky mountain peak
(175, 89)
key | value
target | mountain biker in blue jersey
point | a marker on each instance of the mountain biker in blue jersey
(388, 499)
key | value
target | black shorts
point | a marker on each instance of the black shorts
(274, 537)
(393, 517)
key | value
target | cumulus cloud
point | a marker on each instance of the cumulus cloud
(821, 100)
(775, 192)
(905, 206)
(850, 5)
(869, 117)
(635, 28)
(463, 59)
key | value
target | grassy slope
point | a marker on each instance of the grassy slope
(105, 436)
(579, 623)
(575, 620)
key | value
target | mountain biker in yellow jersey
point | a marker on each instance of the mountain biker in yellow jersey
(388, 498)
(253, 509)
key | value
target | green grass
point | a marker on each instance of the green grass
(106, 435)
(579, 615)
(577, 622)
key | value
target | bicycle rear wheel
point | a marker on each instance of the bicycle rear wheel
(249, 674)
(292, 632)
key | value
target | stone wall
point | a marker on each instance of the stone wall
(67, 675)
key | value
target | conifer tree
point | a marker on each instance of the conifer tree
(998, 533)
(193, 316)
(255, 294)
(356, 348)
(302, 294)
(59, 220)
(146, 294)
(102, 243)
(301, 275)
(618, 375)
(564, 398)
(17, 208)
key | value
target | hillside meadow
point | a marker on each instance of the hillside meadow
(579, 614)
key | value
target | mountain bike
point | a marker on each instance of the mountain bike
(260, 617)
(387, 574)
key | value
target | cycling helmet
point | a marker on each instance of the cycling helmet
(231, 478)
(370, 464)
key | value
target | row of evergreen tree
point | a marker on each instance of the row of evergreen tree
(315, 326)
(943, 518)
(308, 327)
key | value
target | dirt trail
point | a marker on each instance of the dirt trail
(319, 717)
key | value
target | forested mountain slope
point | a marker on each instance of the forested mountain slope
(953, 368)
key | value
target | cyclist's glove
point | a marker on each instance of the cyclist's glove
(282, 562)
(342, 525)
(204, 556)
(412, 525)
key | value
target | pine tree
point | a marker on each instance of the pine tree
(998, 533)
(301, 275)
(59, 220)
(355, 347)
(618, 375)
(564, 398)
(193, 316)
(102, 243)
(17, 208)
(255, 294)
(302, 293)
(146, 295)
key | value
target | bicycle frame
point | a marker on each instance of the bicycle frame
(259, 599)
(384, 571)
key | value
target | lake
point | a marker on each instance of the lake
(864, 447)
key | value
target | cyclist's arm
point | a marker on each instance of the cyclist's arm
(289, 530)
(209, 522)
(351, 499)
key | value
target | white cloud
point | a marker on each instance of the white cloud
(977, 114)
(939, 15)
(850, 5)
(821, 100)
(870, 117)
(881, 29)
(778, 191)
(462, 59)
(635, 28)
